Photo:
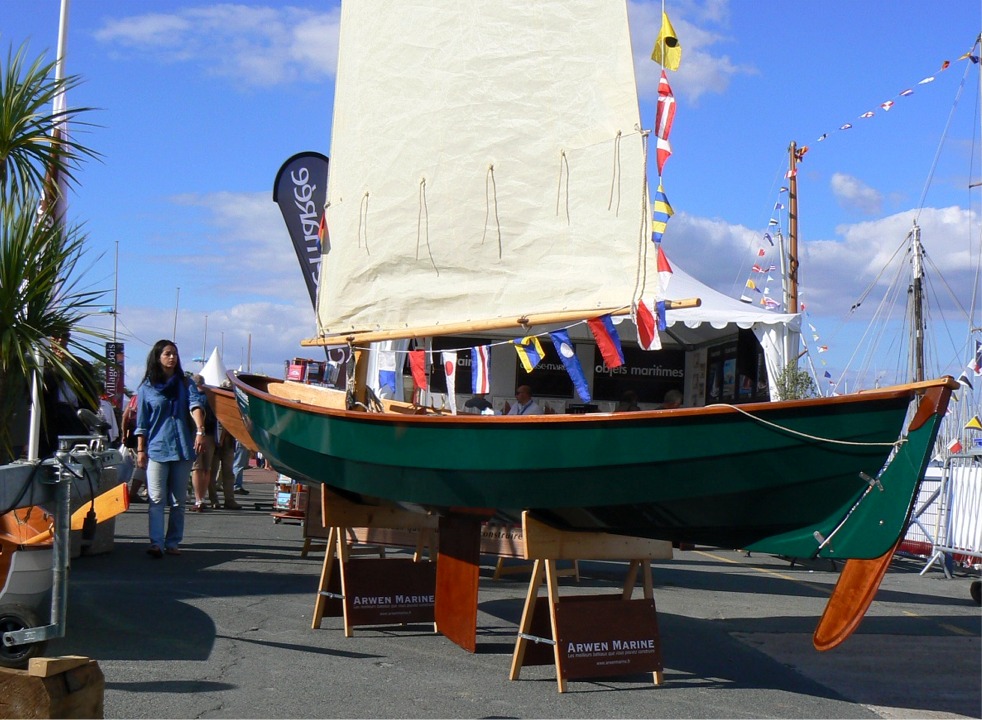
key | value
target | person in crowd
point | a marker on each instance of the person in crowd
(138, 479)
(524, 403)
(628, 402)
(222, 472)
(201, 469)
(61, 401)
(239, 465)
(673, 399)
(167, 442)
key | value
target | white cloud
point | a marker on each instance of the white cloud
(258, 46)
(852, 193)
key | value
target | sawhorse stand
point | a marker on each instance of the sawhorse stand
(595, 635)
(380, 591)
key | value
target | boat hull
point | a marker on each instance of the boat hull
(222, 402)
(775, 477)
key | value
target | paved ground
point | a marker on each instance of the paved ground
(224, 631)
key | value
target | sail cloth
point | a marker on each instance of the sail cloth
(486, 164)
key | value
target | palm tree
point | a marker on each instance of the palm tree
(40, 294)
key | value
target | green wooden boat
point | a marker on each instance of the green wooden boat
(824, 477)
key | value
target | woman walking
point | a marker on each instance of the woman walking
(167, 405)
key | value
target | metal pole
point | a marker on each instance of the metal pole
(177, 304)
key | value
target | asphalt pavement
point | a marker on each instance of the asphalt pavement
(224, 631)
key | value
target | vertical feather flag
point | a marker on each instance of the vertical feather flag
(664, 117)
(417, 364)
(481, 369)
(530, 352)
(449, 360)
(668, 50)
(662, 211)
(564, 347)
(644, 320)
(387, 371)
(608, 342)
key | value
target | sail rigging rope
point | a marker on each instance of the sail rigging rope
(363, 221)
(615, 176)
(423, 225)
(564, 164)
(491, 196)
(895, 444)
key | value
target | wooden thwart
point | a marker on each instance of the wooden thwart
(590, 636)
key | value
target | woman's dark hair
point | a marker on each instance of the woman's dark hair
(155, 373)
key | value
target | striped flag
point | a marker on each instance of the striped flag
(662, 212)
(387, 371)
(608, 342)
(449, 360)
(530, 352)
(481, 369)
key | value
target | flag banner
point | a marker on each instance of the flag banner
(664, 269)
(449, 360)
(976, 364)
(417, 365)
(665, 112)
(530, 352)
(668, 50)
(963, 379)
(300, 189)
(662, 323)
(481, 369)
(660, 215)
(387, 371)
(955, 446)
(608, 341)
(974, 424)
(567, 353)
(644, 321)
(115, 372)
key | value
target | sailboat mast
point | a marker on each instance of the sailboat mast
(917, 301)
(792, 305)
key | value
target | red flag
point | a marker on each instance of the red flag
(417, 364)
(644, 319)
(664, 269)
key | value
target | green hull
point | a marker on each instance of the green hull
(774, 477)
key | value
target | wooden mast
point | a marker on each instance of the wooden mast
(793, 156)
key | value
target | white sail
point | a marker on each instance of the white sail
(486, 162)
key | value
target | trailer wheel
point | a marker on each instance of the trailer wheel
(976, 591)
(18, 617)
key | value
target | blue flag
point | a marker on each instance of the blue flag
(529, 351)
(560, 338)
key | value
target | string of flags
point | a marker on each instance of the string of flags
(767, 261)
(888, 105)
(974, 367)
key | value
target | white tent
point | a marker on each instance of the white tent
(214, 371)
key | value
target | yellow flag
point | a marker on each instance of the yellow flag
(668, 51)
(974, 423)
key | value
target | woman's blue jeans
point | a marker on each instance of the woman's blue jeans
(167, 482)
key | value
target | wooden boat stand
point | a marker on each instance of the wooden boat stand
(595, 635)
(400, 591)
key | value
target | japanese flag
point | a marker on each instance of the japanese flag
(449, 360)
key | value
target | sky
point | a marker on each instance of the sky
(198, 104)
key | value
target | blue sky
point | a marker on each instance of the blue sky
(199, 103)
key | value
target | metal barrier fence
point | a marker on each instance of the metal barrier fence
(947, 522)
